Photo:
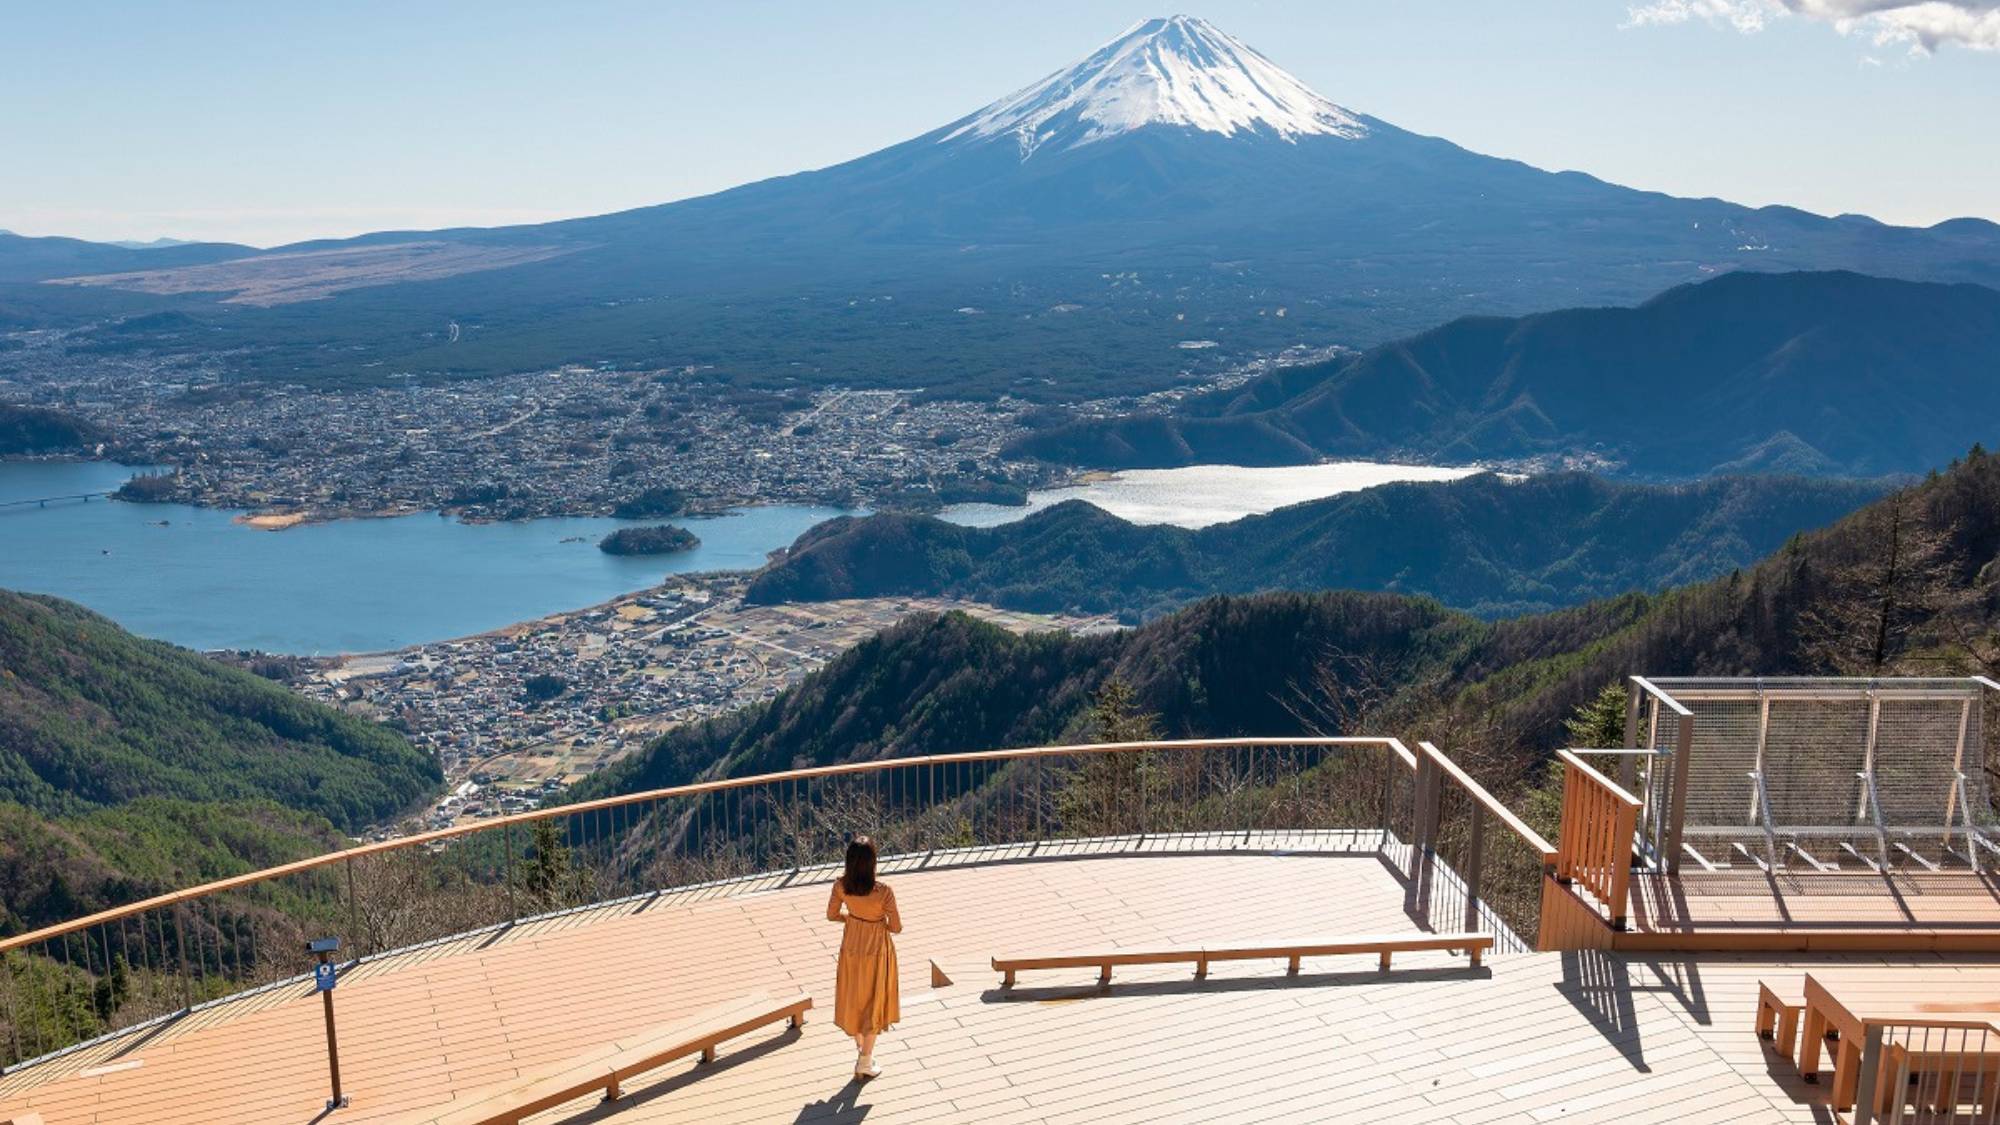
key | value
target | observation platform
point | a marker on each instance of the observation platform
(1625, 968)
(1528, 1037)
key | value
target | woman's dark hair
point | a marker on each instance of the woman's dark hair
(860, 876)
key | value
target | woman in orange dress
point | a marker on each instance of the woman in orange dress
(865, 1001)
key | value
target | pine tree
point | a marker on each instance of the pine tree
(1600, 723)
(550, 874)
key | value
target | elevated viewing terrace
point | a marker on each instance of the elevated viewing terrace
(1242, 930)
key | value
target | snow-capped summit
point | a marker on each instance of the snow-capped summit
(1181, 71)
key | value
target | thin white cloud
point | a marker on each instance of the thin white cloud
(1922, 25)
(1743, 15)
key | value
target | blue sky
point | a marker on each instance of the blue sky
(269, 123)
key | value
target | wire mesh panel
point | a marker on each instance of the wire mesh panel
(1815, 751)
(1820, 773)
(1721, 788)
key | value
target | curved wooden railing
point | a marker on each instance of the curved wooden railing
(1598, 819)
(114, 969)
(723, 785)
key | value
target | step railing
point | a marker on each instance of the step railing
(1595, 843)
(69, 984)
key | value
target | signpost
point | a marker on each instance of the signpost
(326, 975)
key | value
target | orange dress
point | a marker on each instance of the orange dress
(865, 998)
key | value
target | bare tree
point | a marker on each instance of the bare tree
(1898, 584)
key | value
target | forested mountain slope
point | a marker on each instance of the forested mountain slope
(1824, 373)
(129, 767)
(1484, 544)
(92, 716)
(1910, 583)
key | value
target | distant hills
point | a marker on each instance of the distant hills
(1909, 584)
(1173, 188)
(1824, 373)
(27, 258)
(1483, 544)
(34, 429)
(128, 767)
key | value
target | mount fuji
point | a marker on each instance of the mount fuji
(1173, 200)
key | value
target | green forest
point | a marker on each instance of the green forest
(129, 767)
(1908, 584)
(1486, 544)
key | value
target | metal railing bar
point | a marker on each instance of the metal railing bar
(1646, 685)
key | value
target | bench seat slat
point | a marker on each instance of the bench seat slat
(1201, 956)
(606, 1067)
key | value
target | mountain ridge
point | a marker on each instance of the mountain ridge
(1828, 373)
(1484, 545)
(1093, 262)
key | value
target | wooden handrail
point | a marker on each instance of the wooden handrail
(698, 789)
(1617, 791)
(1478, 793)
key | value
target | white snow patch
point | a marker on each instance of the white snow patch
(1180, 71)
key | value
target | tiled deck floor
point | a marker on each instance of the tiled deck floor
(1749, 899)
(1530, 1038)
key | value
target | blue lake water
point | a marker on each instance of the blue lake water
(195, 577)
(1200, 495)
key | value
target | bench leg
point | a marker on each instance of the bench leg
(1008, 980)
(708, 1053)
(1846, 1076)
(612, 1092)
(1476, 952)
(1104, 976)
(1788, 1032)
(1809, 1045)
(1292, 969)
(1767, 1017)
(1201, 969)
(798, 1020)
(1385, 960)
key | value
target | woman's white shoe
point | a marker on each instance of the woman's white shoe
(865, 1067)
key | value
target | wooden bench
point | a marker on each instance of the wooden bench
(1385, 945)
(1778, 1011)
(608, 1068)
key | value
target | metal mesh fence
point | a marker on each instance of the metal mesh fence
(1823, 773)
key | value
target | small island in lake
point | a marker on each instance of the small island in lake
(662, 540)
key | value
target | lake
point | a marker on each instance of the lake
(195, 577)
(1205, 494)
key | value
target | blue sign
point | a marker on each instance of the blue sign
(324, 977)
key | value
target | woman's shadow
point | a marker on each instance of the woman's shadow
(842, 1108)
